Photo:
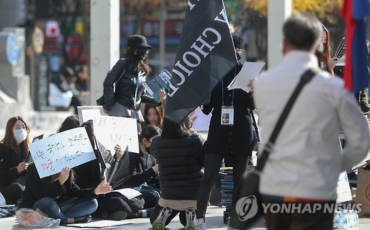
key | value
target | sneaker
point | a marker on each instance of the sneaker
(160, 221)
(201, 224)
(190, 219)
(83, 219)
(117, 215)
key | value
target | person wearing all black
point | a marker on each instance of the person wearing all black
(232, 142)
(14, 154)
(179, 154)
(125, 170)
(128, 76)
(150, 190)
(49, 193)
(90, 174)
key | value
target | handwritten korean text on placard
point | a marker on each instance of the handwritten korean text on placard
(66, 149)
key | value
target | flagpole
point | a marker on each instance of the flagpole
(162, 35)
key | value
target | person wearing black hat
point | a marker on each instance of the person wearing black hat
(128, 76)
(229, 139)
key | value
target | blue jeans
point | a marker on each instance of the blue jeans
(50, 207)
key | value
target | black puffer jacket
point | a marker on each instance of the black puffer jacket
(126, 87)
(180, 162)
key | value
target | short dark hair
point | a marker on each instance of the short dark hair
(148, 132)
(70, 122)
(302, 31)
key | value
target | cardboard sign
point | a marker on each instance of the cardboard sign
(66, 149)
(86, 113)
(343, 189)
(200, 120)
(363, 190)
(110, 131)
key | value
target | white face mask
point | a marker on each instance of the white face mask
(20, 135)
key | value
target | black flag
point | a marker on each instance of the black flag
(206, 54)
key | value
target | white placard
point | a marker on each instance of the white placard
(66, 149)
(101, 224)
(201, 122)
(110, 131)
(249, 71)
(86, 113)
(129, 193)
(343, 189)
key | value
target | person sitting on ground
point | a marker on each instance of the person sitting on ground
(179, 154)
(128, 170)
(153, 115)
(150, 190)
(91, 173)
(70, 122)
(13, 159)
(50, 193)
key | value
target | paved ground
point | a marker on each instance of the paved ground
(214, 221)
(214, 214)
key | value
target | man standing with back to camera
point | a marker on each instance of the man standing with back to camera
(306, 160)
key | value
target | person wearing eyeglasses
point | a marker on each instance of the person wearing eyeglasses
(13, 159)
(123, 85)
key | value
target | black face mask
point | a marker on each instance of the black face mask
(142, 54)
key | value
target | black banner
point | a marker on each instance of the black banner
(206, 54)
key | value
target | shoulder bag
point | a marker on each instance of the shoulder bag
(247, 207)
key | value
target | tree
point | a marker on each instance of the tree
(325, 10)
(256, 11)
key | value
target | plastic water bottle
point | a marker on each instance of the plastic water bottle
(345, 219)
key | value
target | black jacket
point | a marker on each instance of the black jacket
(126, 87)
(90, 174)
(147, 162)
(180, 161)
(9, 161)
(230, 140)
(37, 188)
(129, 172)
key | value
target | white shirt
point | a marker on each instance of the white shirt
(307, 160)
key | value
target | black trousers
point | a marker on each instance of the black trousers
(12, 193)
(157, 210)
(211, 169)
(113, 202)
(319, 220)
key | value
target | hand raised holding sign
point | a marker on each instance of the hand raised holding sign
(64, 174)
(119, 152)
(103, 188)
(161, 95)
(22, 166)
